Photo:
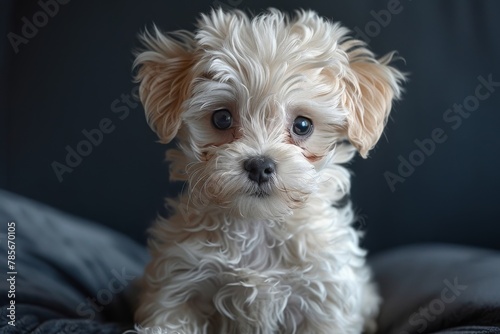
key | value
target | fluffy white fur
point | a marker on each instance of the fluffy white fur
(228, 261)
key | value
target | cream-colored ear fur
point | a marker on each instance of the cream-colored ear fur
(165, 79)
(371, 88)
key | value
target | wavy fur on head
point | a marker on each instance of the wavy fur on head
(281, 256)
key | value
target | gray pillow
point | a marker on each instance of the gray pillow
(428, 288)
(72, 276)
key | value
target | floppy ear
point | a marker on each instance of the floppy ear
(164, 73)
(371, 86)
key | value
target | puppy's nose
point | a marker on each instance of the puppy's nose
(260, 168)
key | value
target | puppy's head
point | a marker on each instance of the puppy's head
(262, 106)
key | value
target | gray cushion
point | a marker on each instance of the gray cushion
(430, 287)
(72, 275)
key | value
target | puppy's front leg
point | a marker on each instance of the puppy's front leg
(177, 293)
(210, 298)
(321, 302)
(250, 303)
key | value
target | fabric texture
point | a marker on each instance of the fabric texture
(427, 288)
(471, 330)
(72, 276)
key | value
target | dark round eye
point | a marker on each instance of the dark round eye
(302, 126)
(222, 119)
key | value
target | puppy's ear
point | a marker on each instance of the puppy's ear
(371, 86)
(164, 73)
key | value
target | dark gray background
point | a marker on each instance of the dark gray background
(65, 79)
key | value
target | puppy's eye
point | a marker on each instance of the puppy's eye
(302, 126)
(222, 119)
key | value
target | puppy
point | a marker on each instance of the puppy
(266, 111)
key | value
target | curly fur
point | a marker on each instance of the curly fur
(228, 261)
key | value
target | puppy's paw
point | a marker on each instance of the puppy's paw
(371, 305)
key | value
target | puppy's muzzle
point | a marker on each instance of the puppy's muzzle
(260, 169)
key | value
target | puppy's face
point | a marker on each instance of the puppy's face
(262, 106)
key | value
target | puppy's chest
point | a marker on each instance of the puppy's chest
(253, 245)
(260, 246)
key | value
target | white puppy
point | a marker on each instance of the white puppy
(266, 111)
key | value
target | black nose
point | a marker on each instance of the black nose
(260, 169)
